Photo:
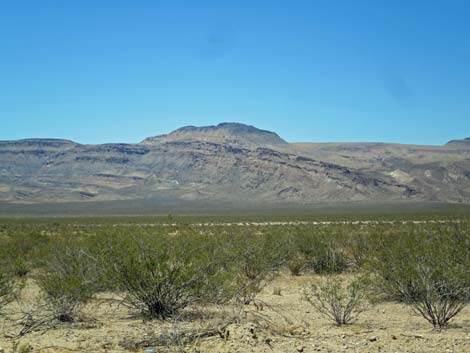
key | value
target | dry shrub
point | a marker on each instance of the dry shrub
(336, 300)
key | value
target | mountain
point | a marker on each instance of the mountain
(226, 133)
(232, 162)
(457, 143)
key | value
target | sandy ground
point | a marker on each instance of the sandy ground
(284, 324)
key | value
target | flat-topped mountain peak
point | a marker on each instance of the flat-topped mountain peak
(464, 141)
(230, 133)
(37, 144)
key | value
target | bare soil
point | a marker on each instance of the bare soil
(277, 323)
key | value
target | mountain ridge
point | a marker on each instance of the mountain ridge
(230, 126)
(232, 162)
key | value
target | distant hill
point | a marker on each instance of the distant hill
(226, 133)
(232, 163)
(465, 142)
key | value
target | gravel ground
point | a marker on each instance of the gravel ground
(282, 324)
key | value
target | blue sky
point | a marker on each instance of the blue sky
(314, 70)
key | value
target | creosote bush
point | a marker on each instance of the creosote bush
(256, 259)
(316, 251)
(427, 270)
(336, 300)
(162, 275)
(68, 280)
(8, 289)
(160, 271)
(19, 252)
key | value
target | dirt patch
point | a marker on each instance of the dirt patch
(277, 323)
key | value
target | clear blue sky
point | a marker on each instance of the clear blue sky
(315, 70)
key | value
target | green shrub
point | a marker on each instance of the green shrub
(337, 301)
(7, 289)
(68, 279)
(427, 270)
(21, 267)
(296, 263)
(328, 258)
(316, 252)
(360, 248)
(162, 275)
(257, 258)
(20, 251)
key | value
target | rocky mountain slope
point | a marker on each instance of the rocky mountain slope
(232, 162)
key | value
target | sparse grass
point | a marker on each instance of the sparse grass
(22, 348)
